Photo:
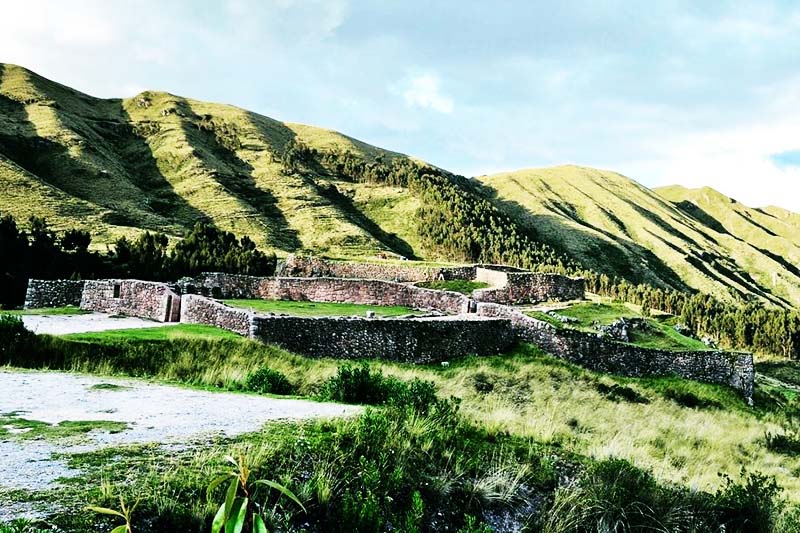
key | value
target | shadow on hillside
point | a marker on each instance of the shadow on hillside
(620, 257)
(236, 175)
(109, 140)
(354, 215)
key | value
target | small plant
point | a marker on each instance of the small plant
(471, 525)
(268, 381)
(124, 512)
(235, 511)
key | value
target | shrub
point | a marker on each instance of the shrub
(361, 385)
(752, 506)
(13, 334)
(268, 381)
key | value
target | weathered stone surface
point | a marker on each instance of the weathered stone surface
(415, 340)
(734, 369)
(509, 287)
(306, 266)
(369, 292)
(53, 293)
(201, 310)
(144, 299)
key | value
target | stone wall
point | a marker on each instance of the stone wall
(592, 351)
(222, 285)
(526, 287)
(201, 310)
(144, 299)
(413, 340)
(311, 266)
(369, 292)
(335, 290)
(43, 293)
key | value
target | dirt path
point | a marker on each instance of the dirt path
(153, 413)
(64, 324)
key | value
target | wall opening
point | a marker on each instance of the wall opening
(116, 290)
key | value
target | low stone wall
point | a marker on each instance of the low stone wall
(368, 292)
(414, 340)
(511, 288)
(592, 351)
(222, 285)
(144, 299)
(311, 266)
(43, 293)
(201, 310)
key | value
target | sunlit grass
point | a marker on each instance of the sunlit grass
(320, 308)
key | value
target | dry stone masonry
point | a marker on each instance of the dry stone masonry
(145, 299)
(483, 324)
(201, 310)
(412, 340)
(519, 287)
(596, 352)
(306, 266)
(43, 293)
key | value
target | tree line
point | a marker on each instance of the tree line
(43, 253)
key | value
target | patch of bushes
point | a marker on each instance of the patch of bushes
(361, 385)
(618, 393)
(615, 496)
(268, 381)
(13, 334)
(691, 400)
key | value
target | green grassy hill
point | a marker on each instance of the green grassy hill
(667, 237)
(161, 162)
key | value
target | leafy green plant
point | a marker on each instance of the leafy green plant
(236, 511)
(268, 381)
(125, 512)
(752, 505)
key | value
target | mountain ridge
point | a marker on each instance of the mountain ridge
(162, 162)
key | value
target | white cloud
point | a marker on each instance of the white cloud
(424, 92)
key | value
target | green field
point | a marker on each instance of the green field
(320, 308)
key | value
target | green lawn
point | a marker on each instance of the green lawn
(68, 310)
(320, 309)
(196, 331)
(456, 285)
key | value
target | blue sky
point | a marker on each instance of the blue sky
(696, 93)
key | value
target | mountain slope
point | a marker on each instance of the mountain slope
(162, 162)
(669, 237)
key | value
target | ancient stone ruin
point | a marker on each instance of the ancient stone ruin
(482, 323)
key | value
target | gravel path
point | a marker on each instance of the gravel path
(154, 413)
(64, 324)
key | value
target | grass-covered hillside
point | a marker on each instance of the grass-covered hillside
(161, 162)
(670, 236)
